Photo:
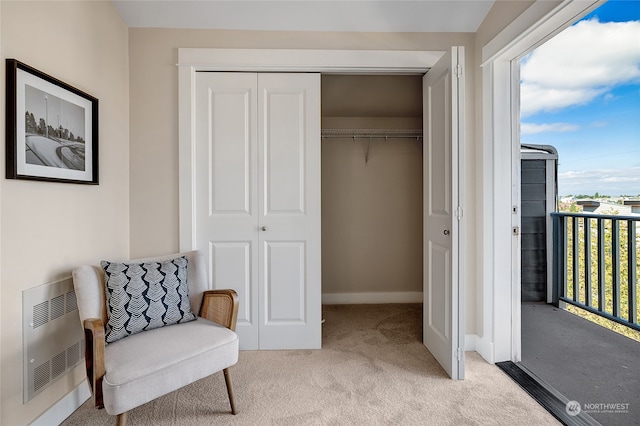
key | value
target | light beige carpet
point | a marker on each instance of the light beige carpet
(372, 370)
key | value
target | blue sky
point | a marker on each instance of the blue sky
(580, 92)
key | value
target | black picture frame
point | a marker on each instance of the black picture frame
(51, 128)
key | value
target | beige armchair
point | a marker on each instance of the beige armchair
(145, 365)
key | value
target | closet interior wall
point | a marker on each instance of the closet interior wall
(371, 210)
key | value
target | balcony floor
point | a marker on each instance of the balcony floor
(583, 361)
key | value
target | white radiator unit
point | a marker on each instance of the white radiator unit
(53, 339)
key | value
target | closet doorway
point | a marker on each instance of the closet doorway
(372, 209)
(443, 125)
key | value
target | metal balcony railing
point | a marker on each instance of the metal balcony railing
(595, 264)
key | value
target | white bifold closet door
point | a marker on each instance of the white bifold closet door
(443, 121)
(257, 203)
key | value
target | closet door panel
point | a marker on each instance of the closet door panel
(231, 263)
(230, 152)
(226, 182)
(289, 166)
(285, 282)
(284, 151)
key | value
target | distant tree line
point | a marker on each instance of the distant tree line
(583, 196)
(41, 129)
(619, 199)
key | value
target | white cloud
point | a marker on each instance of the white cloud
(617, 179)
(536, 98)
(605, 181)
(532, 129)
(579, 64)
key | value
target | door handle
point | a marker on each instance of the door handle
(264, 228)
(446, 232)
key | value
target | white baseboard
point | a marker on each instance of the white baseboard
(64, 407)
(473, 342)
(371, 298)
(470, 342)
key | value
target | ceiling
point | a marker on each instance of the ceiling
(307, 15)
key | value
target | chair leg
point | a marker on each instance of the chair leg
(121, 420)
(227, 379)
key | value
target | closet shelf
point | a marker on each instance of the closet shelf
(371, 133)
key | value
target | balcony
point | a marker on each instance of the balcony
(595, 273)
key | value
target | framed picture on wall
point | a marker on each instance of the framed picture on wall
(51, 128)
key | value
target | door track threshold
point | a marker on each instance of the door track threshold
(552, 400)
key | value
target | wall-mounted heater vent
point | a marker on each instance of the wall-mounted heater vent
(53, 339)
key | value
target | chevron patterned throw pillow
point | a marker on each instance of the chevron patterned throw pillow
(144, 296)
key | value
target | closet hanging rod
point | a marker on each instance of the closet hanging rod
(371, 133)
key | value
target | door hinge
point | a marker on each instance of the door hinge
(459, 213)
(458, 70)
(515, 230)
(459, 354)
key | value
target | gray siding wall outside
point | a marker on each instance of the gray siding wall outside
(534, 230)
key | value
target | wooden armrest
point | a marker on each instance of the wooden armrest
(94, 356)
(220, 306)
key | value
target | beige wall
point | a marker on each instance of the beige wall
(49, 228)
(502, 13)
